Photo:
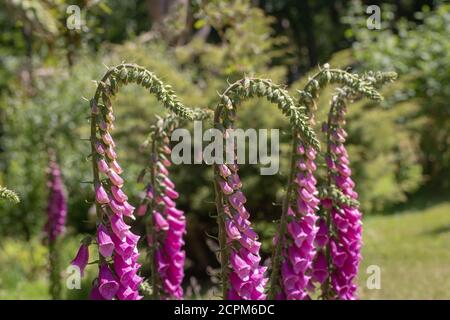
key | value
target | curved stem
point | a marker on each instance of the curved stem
(276, 257)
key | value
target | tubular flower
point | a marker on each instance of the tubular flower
(302, 230)
(82, 258)
(345, 244)
(57, 203)
(169, 226)
(246, 277)
(119, 279)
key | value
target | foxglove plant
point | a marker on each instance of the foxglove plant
(117, 246)
(363, 86)
(339, 231)
(243, 276)
(345, 243)
(57, 203)
(247, 277)
(56, 223)
(299, 250)
(165, 225)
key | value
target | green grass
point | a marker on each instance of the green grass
(412, 249)
(24, 269)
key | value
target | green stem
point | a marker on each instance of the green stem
(276, 256)
(326, 286)
(150, 230)
(55, 281)
(223, 249)
(96, 174)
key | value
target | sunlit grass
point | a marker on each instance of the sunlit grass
(413, 251)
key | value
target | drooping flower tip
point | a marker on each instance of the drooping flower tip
(82, 258)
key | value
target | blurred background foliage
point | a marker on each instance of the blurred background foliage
(399, 148)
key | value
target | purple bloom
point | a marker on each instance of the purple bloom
(233, 232)
(82, 258)
(106, 137)
(247, 277)
(57, 204)
(240, 267)
(171, 193)
(117, 279)
(118, 194)
(142, 209)
(95, 294)
(302, 230)
(224, 171)
(111, 153)
(170, 223)
(99, 147)
(226, 189)
(345, 244)
(168, 183)
(128, 210)
(160, 222)
(115, 178)
(100, 195)
(116, 167)
(108, 285)
(320, 268)
(118, 226)
(105, 244)
(322, 234)
(102, 166)
(116, 207)
(167, 201)
(122, 247)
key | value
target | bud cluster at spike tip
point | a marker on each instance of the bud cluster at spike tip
(301, 229)
(57, 203)
(170, 227)
(118, 267)
(345, 244)
(246, 277)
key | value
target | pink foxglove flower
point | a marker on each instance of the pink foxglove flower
(108, 284)
(345, 245)
(116, 167)
(102, 166)
(169, 228)
(302, 230)
(246, 277)
(57, 204)
(82, 258)
(118, 194)
(160, 222)
(117, 246)
(100, 195)
(115, 178)
(105, 243)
